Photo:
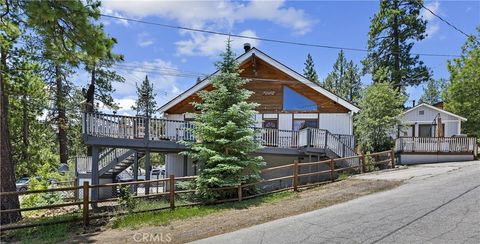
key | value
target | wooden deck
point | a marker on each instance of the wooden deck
(437, 145)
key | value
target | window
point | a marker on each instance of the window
(292, 100)
(425, 130)
(421, 112)
(270, 123)
(299, 124)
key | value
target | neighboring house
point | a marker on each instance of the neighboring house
(422, 121)
(287, 102)
(428, 134)
(296, 120)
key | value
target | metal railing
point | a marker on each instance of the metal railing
(84, 163)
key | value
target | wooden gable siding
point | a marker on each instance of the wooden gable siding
(265, 80)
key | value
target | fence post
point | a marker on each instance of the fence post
(239, 193)
(295, 175)
(331, 170)
(362, 161)
(172, 192)
(86, 193)
(392, 158)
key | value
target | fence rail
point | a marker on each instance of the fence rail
(436, 144)
(330, 173)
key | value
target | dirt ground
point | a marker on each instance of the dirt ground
(186, 230)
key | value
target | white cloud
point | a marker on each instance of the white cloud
(144, 39)
(214, 15)
(433, 26)
(106, 21)
(162, 74)
(210, 45)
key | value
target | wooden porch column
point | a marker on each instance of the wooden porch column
(135, 170)
(147, 170)
(95, 177)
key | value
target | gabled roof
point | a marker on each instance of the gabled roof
(242, 58)
(434, 108)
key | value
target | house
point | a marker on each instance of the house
(287, 102)
(429, 134)
(423, 120)
(296, 120)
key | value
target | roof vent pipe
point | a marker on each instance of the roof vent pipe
(247, 47)
(413, 103)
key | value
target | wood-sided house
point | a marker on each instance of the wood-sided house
(288, 102)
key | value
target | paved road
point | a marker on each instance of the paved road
(438, 204)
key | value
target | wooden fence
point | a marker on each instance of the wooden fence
(364, 163)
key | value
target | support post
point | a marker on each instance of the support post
(172, 192)
(239, 193)
(95, 177)
(392, 158)
(86, 219)
(331, 170)
(326, 139)
(135, 171)
(295, 175)
(147, 171)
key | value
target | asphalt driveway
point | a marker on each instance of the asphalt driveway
(440, 203)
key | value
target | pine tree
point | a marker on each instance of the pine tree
(393, 31)
(344, 80)
(381, 104)
(145, 104)
(432, 93)
(461, 94)
(309, 70)
(224, 134)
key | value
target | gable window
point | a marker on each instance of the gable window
(421, 112)
(294, 101)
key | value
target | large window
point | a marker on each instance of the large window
(425, 130)
(294, 101)
(299, 124)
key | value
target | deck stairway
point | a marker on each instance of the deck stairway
(125, 129)
(112, 161)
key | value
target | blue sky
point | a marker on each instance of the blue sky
(172, 58)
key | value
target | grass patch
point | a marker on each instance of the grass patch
(47, 233)
(137, 220)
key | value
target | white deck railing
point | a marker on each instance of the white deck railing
(436, 144)
(129, 127)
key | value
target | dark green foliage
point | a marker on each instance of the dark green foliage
(223, 129)
(381, 104)
(393, 32)
(309, 70)
(432, 93)
(145, 104)
(462, 93)
(344, 80)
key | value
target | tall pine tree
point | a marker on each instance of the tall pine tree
(309, 70)
(145, 104)
(432, 93)
(344, 79)
(224, 134)
(393, 31)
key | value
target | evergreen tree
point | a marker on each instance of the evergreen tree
(432, 93)
(461, 95)
(344, 80)
(309, 70)
(145, 104)
(224, 134)
(381, 104)
(393, 31)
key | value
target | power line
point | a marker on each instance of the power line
(258, 38)
(442, 19)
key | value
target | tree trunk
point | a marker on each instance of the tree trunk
(25, 125)
(396, 54)
(62, 118)
(90, 101)
(7, 168)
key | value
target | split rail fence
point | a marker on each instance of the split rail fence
(326, 171)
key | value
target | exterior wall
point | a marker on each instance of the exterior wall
(337, 123)
(432, 158)
(103, 192)
(285, 121)
(175, 164)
